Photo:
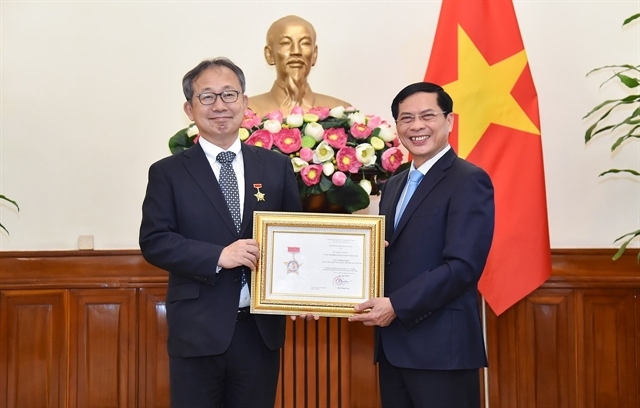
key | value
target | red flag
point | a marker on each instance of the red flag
(479, 58)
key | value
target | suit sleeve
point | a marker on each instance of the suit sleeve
(162, 245)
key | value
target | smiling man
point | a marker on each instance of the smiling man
(197, 219)
(291, 47)
(439, 227)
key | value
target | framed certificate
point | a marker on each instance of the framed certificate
(317, 263)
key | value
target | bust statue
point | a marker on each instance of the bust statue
(291, 47)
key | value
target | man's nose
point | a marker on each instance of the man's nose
(219, 104)
(296, 49)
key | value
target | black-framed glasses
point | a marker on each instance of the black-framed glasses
(424, 116)
(209, 98)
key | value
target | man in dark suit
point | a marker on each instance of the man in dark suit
(428, 340)
(197, 225)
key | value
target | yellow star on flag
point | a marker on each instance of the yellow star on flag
(483, 94)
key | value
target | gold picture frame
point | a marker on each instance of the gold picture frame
(317, 263)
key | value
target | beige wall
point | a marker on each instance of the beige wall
(91, 92)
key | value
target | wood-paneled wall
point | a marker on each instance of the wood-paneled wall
(88, 329)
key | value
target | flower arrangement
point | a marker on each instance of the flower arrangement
(342, 154)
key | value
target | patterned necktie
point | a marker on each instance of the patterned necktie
(414, 179)
(229, 185)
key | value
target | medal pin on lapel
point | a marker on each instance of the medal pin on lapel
(259, 194)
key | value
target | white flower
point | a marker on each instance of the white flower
(298, 164)
(357, 117)
(328, 168)
(294, 120)
(192, 130)
(323, 152)
(366, 154)
(337, 112)
(315, 130)
(366, 185)
(272, 125)
(386, 133)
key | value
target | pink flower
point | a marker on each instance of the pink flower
(373, 121)
(391, 159)
(297, 111)
(360, 131)
(311, 174)
(288, 140)
(275, 115)
(250, 119)
(339, 178)
(322, 112)
(306, 154)
(336, 137)
(261, 138)
(347, 160)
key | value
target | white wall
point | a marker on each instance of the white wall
(91, 92)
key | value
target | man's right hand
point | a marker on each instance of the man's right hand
(242, 252)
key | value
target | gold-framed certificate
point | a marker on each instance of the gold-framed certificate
(317, 263)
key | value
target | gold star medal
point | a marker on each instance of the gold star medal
(259, 194)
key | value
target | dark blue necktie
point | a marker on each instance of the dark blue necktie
(229, 186)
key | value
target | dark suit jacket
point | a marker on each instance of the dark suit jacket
(433, 263)
(185, 226)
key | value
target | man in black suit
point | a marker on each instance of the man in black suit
(428, 338)
(197, 225)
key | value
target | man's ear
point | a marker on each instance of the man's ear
(268, 55)
(315, 56)
(188, 110)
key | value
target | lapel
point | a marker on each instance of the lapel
(395, 191)
(435, 174)
(199, 168)
(252, 175)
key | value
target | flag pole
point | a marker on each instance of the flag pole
(485, 369)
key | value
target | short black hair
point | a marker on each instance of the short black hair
(444, 100)
(189, 77)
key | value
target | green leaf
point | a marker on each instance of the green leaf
(610, 171)
(180, 141)
(628, 81)
(623, 138)
(351, 196)
(624, 245)
(2, 197)
(630, 19)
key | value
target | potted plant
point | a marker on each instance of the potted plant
(628, 127)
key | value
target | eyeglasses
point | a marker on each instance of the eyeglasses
(424, 117)
(209, 98)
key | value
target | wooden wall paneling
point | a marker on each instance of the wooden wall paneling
(531, 352)
(315, 366)
(549, 352)
(33, 348)
(608, 347)
(502, 354)
(102, 348)
(364, 388)
(153, 360)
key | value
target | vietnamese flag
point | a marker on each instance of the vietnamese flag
(478, 57)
